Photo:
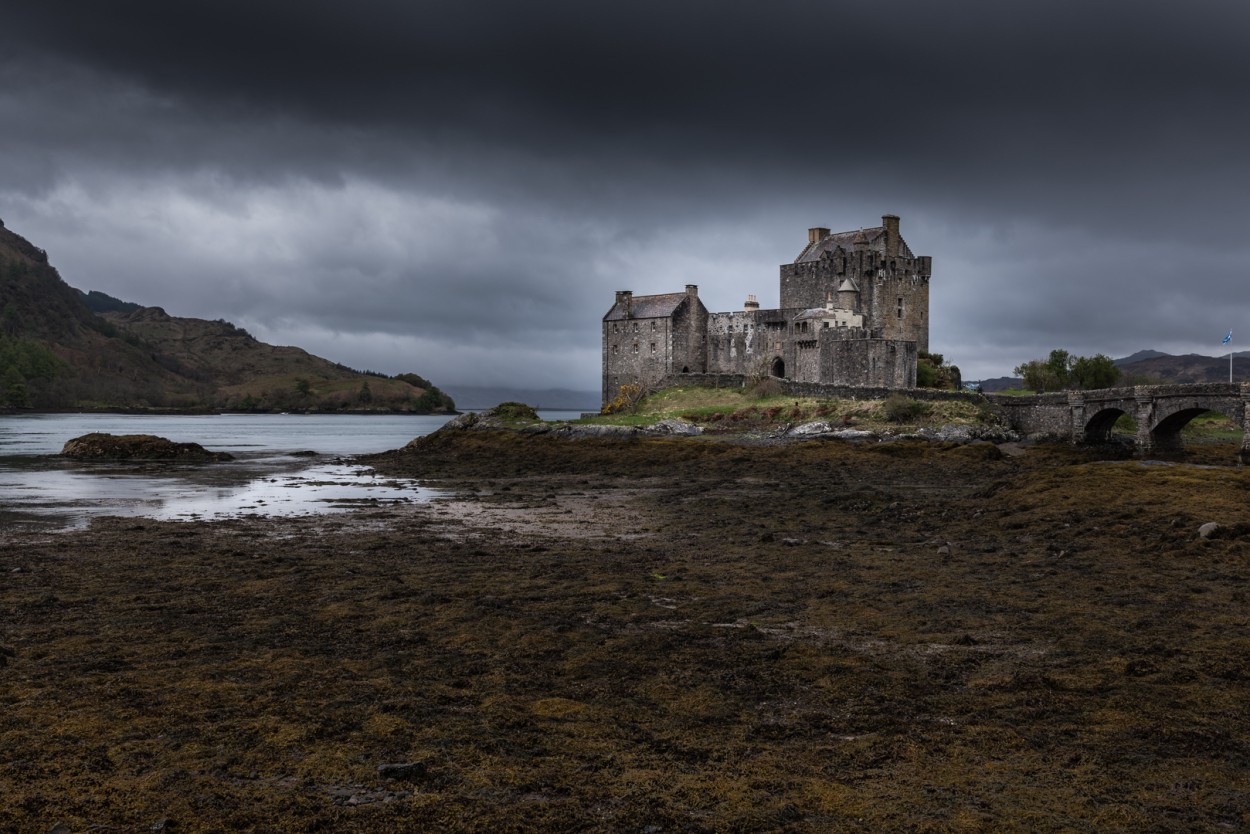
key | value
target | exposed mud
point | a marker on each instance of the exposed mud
(651, 635)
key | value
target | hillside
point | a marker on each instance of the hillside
(56, 351)
(1190, 367)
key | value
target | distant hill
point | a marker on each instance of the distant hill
(558, 399)
(1138, 357)
(1000, 383)
(1190, 367)
(1152, 366)
(63, 348)
(98, 302)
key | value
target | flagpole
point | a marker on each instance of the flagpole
(1228, 340)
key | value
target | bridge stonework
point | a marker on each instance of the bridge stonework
(1160, 412)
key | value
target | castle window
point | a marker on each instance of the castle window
(900, 308)
(615, 327)
(616, 349)
(635, 330)
(635, 347)
(826, 325)
(653, 325)
(653, 347)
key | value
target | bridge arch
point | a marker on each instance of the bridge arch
(1161, 412)
(1098, 427)
(1166, 431)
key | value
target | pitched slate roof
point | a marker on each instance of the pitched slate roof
(647, 307)
(875, 237)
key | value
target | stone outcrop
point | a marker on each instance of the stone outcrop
(100, 446)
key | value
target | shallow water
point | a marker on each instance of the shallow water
(268, 477)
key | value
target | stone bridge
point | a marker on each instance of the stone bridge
(1161, 411)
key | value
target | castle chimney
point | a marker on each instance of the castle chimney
(890, 221)
(626, 297)
(816, 235)
(828, 301)
(751, 304)
(692, 289)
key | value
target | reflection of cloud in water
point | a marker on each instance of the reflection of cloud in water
(75, 493)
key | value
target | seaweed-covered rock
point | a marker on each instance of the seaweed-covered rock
(101, 446)
(573, 430)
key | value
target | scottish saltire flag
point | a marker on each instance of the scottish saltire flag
(1227, 338)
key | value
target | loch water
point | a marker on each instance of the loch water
(271, 475)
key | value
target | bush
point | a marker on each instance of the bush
(514, 411)
(627, 399)
(767, 387)
(900, 409)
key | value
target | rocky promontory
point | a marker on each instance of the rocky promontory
(102, 446)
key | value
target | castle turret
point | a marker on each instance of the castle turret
(890, 222)
(848, 295)
(751, 304)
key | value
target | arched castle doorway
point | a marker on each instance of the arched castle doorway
(778, 368)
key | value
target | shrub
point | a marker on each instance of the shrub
(900, 409)
(627, 398)
(766, 387)
(514, 411)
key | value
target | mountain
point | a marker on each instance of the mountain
(1000, 383)
(62, 348)
(1190, 367)
(1138, 357)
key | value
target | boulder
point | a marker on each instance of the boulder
(674, 427)
(813, 429)
(100, 446)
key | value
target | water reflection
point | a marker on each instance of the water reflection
(43, 492)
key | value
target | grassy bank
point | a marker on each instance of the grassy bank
(736, 409)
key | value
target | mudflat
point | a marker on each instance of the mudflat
(651, 635)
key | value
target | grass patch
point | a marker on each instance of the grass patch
(733, 409)
(1212, 426)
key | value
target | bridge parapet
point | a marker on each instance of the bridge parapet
(1160, 411)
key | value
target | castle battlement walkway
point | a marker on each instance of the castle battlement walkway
(1161, 411)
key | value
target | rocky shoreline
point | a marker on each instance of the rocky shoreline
(650, 633)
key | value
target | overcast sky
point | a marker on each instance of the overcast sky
(458, 188)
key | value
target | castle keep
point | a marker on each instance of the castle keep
(854, 311)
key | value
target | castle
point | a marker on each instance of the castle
(854, 311)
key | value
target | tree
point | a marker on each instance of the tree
(1061, 370)
(933, 372)
(365, 396)
(1097, 371)
(1059, 364)
(303, 387)
(15, 393)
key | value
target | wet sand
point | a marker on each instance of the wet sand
(662, 635)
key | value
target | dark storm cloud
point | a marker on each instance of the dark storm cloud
(1076, 170)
